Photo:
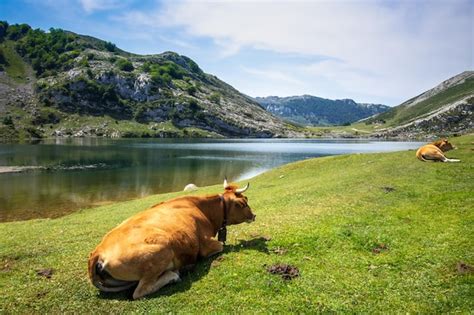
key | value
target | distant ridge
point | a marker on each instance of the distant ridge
(313, 110)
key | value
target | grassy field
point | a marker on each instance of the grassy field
(368, 232)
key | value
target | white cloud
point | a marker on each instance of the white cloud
(95, 5)
(384, 48)
(272, 75)
(391, 50)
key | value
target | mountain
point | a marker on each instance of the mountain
(443, 110)
(59, 83)
(312, 110)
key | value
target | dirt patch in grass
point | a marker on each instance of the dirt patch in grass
(379, 248)
(6, 265)
(287, 272)
(47, 272)
(216, 262)
(463, 268)
(388, 189)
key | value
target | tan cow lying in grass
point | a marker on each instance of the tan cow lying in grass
(151, 246)
(434, 151)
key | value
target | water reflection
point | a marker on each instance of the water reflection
(91, 171)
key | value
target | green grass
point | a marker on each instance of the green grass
(355, 129)
(16, 68)
(327, 213)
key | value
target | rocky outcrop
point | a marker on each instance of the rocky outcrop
(90, 77)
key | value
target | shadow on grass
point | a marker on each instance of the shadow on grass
(195, 273)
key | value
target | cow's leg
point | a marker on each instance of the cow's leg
(435, 156)
(149, 285)
(210, 247)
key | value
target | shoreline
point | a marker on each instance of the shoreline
(19, 169)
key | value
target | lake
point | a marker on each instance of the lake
(86, 172)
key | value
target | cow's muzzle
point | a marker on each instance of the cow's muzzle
(252, 219)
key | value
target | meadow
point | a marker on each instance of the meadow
(378, 233)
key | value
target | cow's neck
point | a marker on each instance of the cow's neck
(213, 209)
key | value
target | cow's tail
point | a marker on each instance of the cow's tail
(102, 280)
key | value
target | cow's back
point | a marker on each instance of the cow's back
(172, 225)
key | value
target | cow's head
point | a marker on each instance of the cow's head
(238, 210)
(444, 145)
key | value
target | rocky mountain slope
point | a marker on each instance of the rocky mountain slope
(59, 83)
(312, 110)
(446, 109)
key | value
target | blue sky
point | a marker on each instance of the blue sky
(371, 51)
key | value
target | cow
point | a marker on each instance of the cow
(151, 247)
(434, 151)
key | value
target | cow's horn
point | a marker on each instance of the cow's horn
(242, 190)
(225, 183)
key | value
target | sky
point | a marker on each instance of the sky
(371, 51)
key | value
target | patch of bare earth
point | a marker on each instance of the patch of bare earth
(287, 272)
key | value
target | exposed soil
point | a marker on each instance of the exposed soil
(463, 268)
(48, 272)
(379, 248)
(388, 189)
(287, 272)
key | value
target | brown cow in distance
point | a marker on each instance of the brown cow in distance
(150, 247)
(435, 151)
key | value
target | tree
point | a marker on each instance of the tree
(3, 60)
(110, 46)
(3, 29)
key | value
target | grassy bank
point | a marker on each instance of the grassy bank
(368, 232)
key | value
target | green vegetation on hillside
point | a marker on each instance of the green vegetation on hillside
(317, 111)
(77, 74)
(370, 233)
(11, 62)
(407, 112)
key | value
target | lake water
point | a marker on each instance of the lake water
(87, 172)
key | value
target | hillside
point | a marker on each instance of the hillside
(369, 233)
(446, 109)
(312, 110)
(59, 83)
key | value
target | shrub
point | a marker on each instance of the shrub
(124, 65)
(17, 31)
(146, 67)
(3, 29)
(110, 46)
(8, 120)
(193, 105)
(215, 98)
(3, 60)
(84, 63)
(191, 89)
(46, 51)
